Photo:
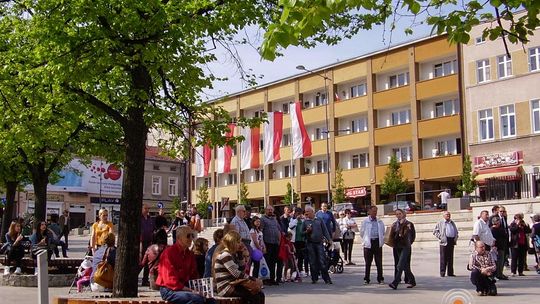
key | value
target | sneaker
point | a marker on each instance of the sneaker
(366, 282)
(18, 270)
(6, 271)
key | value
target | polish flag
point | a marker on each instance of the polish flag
(273, 131)
(203, 154)
(249, 148)
(300, 139)
(336, 97)
(224, 154)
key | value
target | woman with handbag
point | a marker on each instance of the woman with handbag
(15, 251)
(346, 226)
(230, 280)
(103, 263)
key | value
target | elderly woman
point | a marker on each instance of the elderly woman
(106, 251)
(518, 244)
(227, 271)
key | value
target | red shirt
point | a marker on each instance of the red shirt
(176, 267)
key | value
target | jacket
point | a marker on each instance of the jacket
(403, 234)
(440, 232)
(315, 230)
(365, 232)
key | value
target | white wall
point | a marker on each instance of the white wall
(384, 117)
(312, 131)
(428, 106)
(383, 82)
(344, 89)
(345, 158)
(429, 144)
(345, 123)
(385, 152)
(251, 112)
(277, 105)
(313, 165)
(426, 68)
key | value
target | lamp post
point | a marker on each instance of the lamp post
(328, 189)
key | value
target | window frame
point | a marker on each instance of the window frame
(158, 184)
(489, 123)
(399, 116)
(397, 76)
(484, 70)
(444, 103)
(321, 166)
(398, 152)
(509, 118)
(354, 90)
(174, 185)
(506, 64)
(443, 65)
(356, 125)
(259, 175)
(359, 160)
(536, 56)
(535, 110)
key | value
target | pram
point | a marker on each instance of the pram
(86, 264)
(333, 257)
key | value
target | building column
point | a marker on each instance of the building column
(416, 110)
(372, 124)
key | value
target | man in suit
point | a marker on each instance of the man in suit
(65, 226)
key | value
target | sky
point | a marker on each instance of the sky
(285, 66)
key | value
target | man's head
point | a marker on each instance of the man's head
(372, 211)
(298, 211)
(161, 211)
(324, 207)
(240, 211)
(217, 236)
(480, 247)
(495, 209)
(286, 211)
(447, 215)
(269, 210)
(484, 215)
(502, 211)
(309, 212)
(145, 210)
(184, 236)
(109, 239)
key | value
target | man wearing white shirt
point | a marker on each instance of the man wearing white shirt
(372, 232)
(447, 233)
(481, 231)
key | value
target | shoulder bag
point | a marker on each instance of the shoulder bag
(105, 272)
(251, 285)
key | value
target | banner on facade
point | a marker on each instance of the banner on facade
(497, 160)
(356, 192)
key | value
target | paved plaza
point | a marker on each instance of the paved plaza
(348, 287)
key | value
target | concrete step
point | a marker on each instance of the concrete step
(431, 217)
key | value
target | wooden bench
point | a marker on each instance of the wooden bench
(142, 300)
(64, 265)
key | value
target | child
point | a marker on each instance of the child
(84, 272)
(290, 264)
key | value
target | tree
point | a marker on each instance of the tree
(203, 201)
(393, 182)
(339, 187)
(288, 199)
(309, 22)
(244, 195)
(12, 174)
(468, 181)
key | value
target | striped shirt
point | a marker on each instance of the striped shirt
(226, 270)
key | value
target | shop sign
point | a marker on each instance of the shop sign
(497, 160)
(355, 192)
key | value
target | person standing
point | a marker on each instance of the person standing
(285, 219)
(495, 212)
(506, 227)
(535, 239)
(372, 233)
(152, 255)
(296, 225)
(447, 233)
(65, 226)
(272, 235)
(179, 220)
(481, 231)
(101, 227)
(346, 226)
(316, 232)
(147, 233)
(501, 243)
(403, 235)
(328, 218)
(518, 230)
(444, 196)
(195, 220)
(161, 221)
(241, 226)
(257, 243)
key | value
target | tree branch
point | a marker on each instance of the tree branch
(97, 103)
(60, 152)
(503, 32)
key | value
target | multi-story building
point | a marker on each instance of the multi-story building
(502, 95)
(403, 101)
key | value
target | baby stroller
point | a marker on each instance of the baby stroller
(82, 278)
(333, 257)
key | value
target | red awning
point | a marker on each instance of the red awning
(508, 173)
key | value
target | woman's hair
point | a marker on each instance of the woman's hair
(101, 211)
(160, 237)
(254, 219)
(199, 246)
(11, 231)
(536, 217)
(108, 239)
(218, 235)
(518, 216)
(231, 240)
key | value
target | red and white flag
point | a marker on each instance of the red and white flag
(336, 97)
(300, 140)
(273, 131)
(249, 148)
(224, 154)
(203, 155)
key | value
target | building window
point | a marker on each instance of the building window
(259, 175)
(360, 160)
(156, 185)
(401, 117)
(320, 133)
(234, 151)
(446, 108)
(322, 166)
(358, 90)
(208, 182)
(486, 124)
(156, 167)
(480, 40)
(398, 80)
(174, 168)
(286, 140)
(306, 104)
(287, 171)
(444, 69)
(449, 147)
(535, 109)
(285, 108)
(257, 114)
(231, 179)
(508, 121)
(403, 154)
(261, 145)
(359, 125)
(320, 99)
(504, 66)
(173, 186)
(483, 70)
(534, 59)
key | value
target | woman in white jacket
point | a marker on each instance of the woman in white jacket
(372, 233)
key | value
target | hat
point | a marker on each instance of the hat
(86, 264)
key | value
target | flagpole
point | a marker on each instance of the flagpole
(292, 156)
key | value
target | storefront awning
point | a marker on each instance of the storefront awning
(508, 173)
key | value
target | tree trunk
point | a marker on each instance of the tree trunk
(11, 190)
(40, 179)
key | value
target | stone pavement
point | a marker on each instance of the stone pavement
(348, 287)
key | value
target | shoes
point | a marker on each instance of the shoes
(411, 285)
(145, 283)
(302, 274)
(451, 275)
(442, 274)
(513, 275)
(313, 281)
(381, 282)
(366, 282)
(18, 270)
(482, 293)
(522, 274)
(391, 285)
(6, 271)
(503, 277)
(329, 282)
(350, 263)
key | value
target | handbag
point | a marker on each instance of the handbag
(348, 235)
(252, 286)
(388, 238)
(104, 274)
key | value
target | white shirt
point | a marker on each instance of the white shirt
(444, 197)
(481, 229)
(344, 223)
(259, 239)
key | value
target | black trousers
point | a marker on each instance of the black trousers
(301, 256)
(346, 246)
(273, 261)
(16, 253)
(519, 255)
(482, 282)
(447, 257)
(374, 252)
(248, 297)
(65, 234)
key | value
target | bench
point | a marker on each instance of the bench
(142, 300)
(64, 265)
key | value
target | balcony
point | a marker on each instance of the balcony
(393, 134)
(318, 147)
(391, 98)
(350, 106)
(314, 115)
(356, 177)
(439, 126)
(439, 86)
(278, 187)
(230, 191)
(352, 141)
(432, 49)
(255, 189)
(441, 167)
(406, 168)
(286, 121)
(314, 182)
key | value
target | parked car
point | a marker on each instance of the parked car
(344, 206)
(403, 205)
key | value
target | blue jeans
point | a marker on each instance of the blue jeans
(317, 261)
(180, 297)
(402, 262)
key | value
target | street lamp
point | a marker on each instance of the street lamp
(328, 189)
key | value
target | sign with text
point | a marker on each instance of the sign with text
(356, 192)
(497, 160)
